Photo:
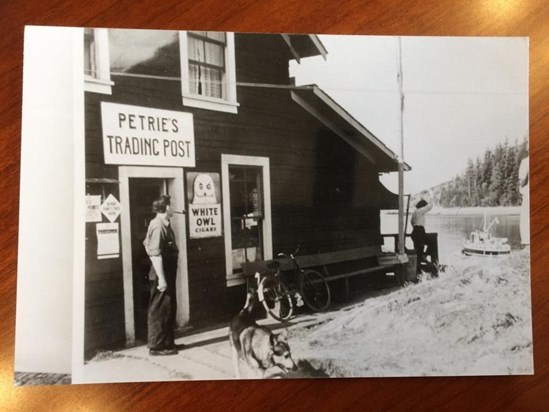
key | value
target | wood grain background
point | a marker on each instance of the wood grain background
(387, 17)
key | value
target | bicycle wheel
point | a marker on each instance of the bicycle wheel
(315, 290)
(276, 299)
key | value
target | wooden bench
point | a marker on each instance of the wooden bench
(384, 262)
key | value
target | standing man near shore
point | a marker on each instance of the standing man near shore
(419, 236)
(162, 250)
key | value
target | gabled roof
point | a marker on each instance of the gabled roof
(304, 45)
(335, 117)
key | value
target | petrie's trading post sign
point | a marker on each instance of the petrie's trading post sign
(204, 205)
(134, 135)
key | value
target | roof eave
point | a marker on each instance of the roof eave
(386, 161)
(299, 49)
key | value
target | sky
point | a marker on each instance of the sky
(462, 95)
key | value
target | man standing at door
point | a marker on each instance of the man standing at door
(162, 250)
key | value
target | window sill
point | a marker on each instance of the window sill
(235, 279)
(209, 103)
(98, 85)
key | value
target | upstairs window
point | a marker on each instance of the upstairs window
(207, 63)
(145, 54)
(90, 61)
(208, 70)
(97, 76)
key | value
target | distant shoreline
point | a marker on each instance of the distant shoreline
(467, 211)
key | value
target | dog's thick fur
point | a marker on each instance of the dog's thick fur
(255, 347)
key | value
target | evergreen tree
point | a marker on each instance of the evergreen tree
(470, 182)
(497, 188)
(512, 188)
(491, 180)
(487, 177)
(478, 183)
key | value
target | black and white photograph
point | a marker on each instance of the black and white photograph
(259, 206)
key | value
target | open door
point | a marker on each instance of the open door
(139, 187)
(143, 191)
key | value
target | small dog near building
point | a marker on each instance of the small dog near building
(257, 348)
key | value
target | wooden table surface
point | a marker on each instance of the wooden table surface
(388, 17)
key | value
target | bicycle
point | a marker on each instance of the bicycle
(276, 296)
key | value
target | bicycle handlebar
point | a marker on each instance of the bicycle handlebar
(291, 255)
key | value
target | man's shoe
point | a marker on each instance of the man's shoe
(163, 352)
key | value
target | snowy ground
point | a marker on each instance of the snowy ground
(475, 319)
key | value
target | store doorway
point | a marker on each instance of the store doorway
(139, 187)
(142, 193)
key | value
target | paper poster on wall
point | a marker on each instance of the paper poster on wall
(108, 243)
(204, 194)
(93, 211)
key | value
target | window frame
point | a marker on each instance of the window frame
(234, 279)
(227, 104)
(101, 82)
(220, 69)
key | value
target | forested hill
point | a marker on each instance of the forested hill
(491, 180)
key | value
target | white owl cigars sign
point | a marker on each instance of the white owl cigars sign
(204, 194)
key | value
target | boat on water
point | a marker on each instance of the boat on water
(483, 243)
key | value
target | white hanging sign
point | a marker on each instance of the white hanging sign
(111, 208)
(204, 206)
(108, 243)
(134, 135)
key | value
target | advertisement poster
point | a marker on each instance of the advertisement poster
(93, 211)
(108, 244)
(204, 205)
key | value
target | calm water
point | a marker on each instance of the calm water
(453, 229)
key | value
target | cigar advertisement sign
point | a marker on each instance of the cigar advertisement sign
(204, 205)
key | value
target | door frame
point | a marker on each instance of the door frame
(176, 188)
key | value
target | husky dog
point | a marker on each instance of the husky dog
(256, 347)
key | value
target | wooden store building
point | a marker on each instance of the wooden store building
(254, 164)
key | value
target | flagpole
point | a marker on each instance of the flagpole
(401, 227)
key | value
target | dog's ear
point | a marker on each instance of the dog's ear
(283, 336)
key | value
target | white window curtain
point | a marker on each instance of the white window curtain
(206, 64)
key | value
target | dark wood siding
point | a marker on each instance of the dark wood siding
(104, 291)
(262, 59)
(321, 188)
